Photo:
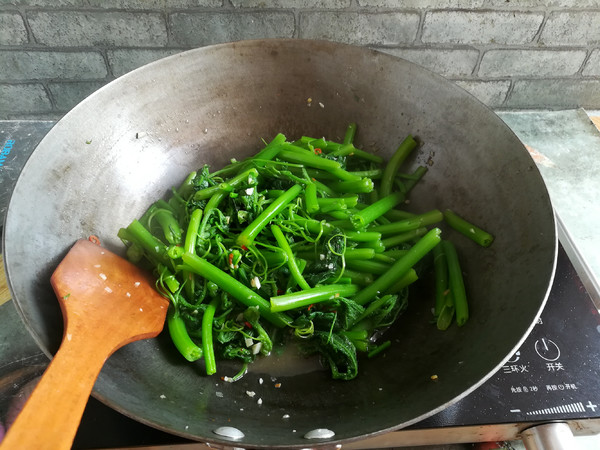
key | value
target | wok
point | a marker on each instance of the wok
(128, 143)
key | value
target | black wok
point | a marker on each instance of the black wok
(127, 144)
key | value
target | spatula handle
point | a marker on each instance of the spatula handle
(51, 415)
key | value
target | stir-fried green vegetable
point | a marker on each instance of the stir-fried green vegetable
(303, 241)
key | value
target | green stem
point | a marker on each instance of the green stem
(412, 223)
(335, 205)
(269, 152)
(247, 236)
(400, 267)
(311, 225)
(310, 198)
(380, 257)
(362, 236)
(356, 174)
(291, 260)
(406, 279)
(310, 296)
(367, 266)
(456, 284)
(186, 188)
(446, 315)
(350, 133)
(152, 246)
(169, 225)
(359, 254)
(343, 150)
(207, 337)
(359, 278)
(361, 186)
(376, 244)
(351, 151)
(189, 246)
(239, 291)
(350, 201)
(181, 338)
(440, 268)
(414, 178)
(370, 309)
(381, 347)
(466, 228)
(206, 193)
(389, 173)
(395, 253)
(192, 231)
(344, 175)
(299, 155)
(248, 176)
(396, 214)
(324, 189)
(376, 210)
(403, 237)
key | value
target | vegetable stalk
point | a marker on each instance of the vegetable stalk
(238, 290)
(469, 230)
(246, 237)
(387, 180)
(313, 295)
(400, 267)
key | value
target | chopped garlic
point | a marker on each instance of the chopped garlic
(249, 341)
(256, 348)
(255, 282)
(249, 191)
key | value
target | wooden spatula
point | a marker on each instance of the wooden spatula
(106, 302)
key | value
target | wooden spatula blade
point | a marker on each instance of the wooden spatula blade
(107, 302)
(95, 282)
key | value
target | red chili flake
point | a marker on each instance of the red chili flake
(279, 292)
(248, 324)
(277, 385)
(244, 247)
(318, 151)
(231, 259)
(310, 306)
(94, 239)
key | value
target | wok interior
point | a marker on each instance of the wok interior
(125, 146)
